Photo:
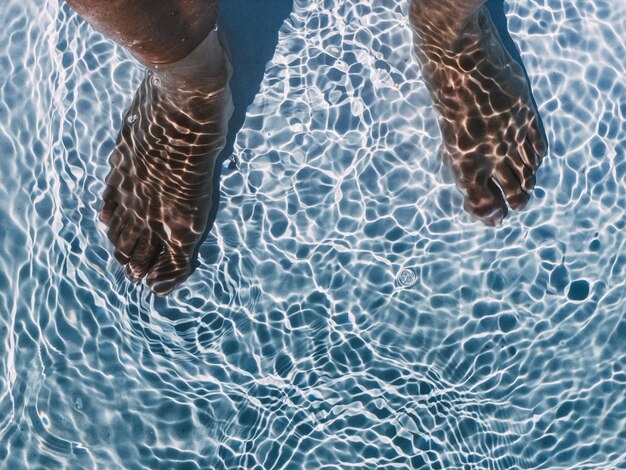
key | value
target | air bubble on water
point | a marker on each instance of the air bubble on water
(132, 118)
(71, 315)
(230, 163)
(407, 277)
(78, 404)
(44, 419)
(156, 81)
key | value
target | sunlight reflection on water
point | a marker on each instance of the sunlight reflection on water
(290, 344)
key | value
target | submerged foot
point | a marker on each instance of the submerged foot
(160, 188)
(492, 139)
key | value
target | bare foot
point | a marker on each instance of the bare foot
(160, 188)
(493, 143)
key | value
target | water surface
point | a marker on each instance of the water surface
(296, 344)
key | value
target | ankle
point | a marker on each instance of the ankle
(205, 68)
(439, 23)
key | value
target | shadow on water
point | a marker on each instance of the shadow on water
(251, 30)
(496, 11)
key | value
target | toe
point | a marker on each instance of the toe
(116, 225)
(528, 155)
(484, 200)
(143, 257)
(509, 179)
(524, 173)
(536, 140)
(126, 244)
(109, 204)
(170, 270)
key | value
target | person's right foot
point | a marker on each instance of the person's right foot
(160, 188)
(492, 139)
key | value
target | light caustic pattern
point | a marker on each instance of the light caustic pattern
(298, 343)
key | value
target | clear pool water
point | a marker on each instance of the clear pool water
(347, 313)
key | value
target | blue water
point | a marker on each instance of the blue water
(347, 313)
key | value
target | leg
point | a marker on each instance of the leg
(159, 190)
(492, 139)
(156, 32)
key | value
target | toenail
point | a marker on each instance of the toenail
(494, 218)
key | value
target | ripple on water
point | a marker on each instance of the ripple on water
(346, 311)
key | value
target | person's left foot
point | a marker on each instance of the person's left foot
(160, 188)
(492, 139)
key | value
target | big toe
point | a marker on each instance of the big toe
(485, 201)
(170, 269)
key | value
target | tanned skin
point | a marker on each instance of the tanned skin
(160, 188)
(492, 140)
